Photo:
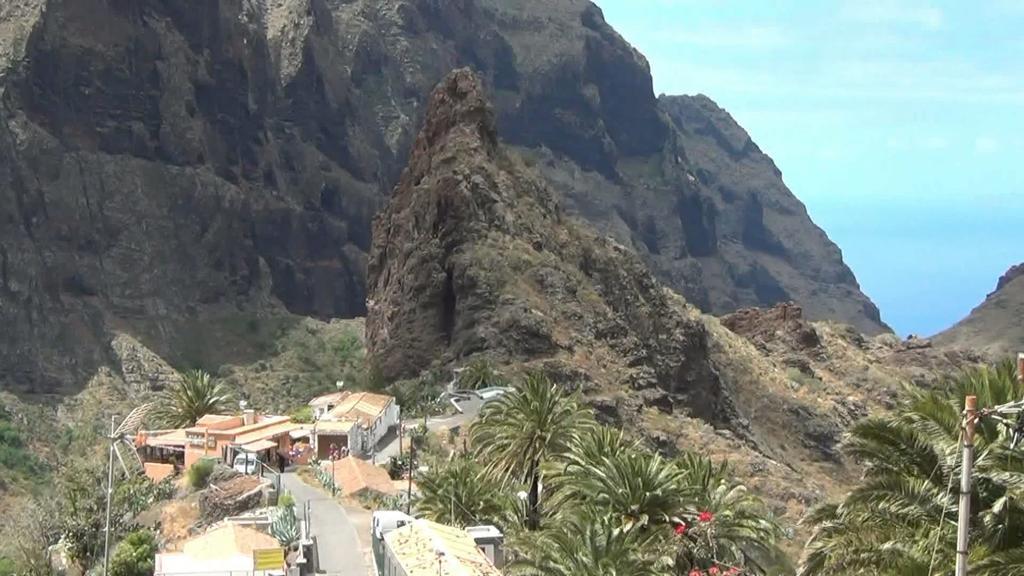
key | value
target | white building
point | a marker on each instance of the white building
(425, 548)
(364, 419)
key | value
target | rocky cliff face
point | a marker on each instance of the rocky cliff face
(474, 256)
(994, 326)
(162, 162)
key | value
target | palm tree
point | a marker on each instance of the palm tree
(727, 523)
(461, 494)
(636, 488)
(517, 434)
(902, 517)
(480, 373)
(690, 507)
(591, 546)
(194, 397)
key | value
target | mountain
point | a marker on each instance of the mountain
(995, 325)
(191, 173)
(474, 257)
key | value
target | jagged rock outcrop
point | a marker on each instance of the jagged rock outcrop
(473, 256)
(162, 162)
(994, 326)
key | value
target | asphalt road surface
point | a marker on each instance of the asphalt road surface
(337, 541)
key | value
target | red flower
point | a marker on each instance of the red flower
(714, 571)
(732, 571)
(706, 516)
(680, 529)
(696, 572)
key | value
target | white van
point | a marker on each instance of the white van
(246, 463)
(385, 521)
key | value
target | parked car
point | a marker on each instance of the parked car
(246, 463)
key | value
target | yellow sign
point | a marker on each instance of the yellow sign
(268, 559)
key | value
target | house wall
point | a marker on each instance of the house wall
(391, 565)
(375, 433)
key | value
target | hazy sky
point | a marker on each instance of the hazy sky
(899, 123)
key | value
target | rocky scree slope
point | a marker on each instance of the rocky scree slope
(994, 326)
(165, 162)
(473, 256)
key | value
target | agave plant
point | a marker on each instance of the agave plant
(285, 526)
(902, 517)
(194, 397)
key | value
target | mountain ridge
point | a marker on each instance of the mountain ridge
(162, 163)
(993, 326)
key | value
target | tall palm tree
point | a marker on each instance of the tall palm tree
(461, 494)
(902, 517)
(591, 546)
(194, 397)
(519, 433)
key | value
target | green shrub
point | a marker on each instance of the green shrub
(303, 415)
(7, 566)
(198, 475)
(286, 500)
(134, 556)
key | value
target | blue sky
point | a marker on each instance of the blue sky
(899, 123)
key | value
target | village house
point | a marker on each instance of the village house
(355, 477)
(353, 422)
(219, 436)
(228, 550)
(425, 548)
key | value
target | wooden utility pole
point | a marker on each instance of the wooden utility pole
(963, 524)
(1020, 366)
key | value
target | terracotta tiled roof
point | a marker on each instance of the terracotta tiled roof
(332, 398)
(426, 548)
(353, 476)
(168, 438)
(266, 433)
(363, 406)
(228, 540)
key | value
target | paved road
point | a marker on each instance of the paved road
(338, 542)
(470, 409)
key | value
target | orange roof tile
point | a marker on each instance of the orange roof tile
(228, 540)
(332, 398)
(266, 433)
(353, 476)
(364, 406)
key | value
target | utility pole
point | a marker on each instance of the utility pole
(964, 520)
(408, 498)
(110, 496)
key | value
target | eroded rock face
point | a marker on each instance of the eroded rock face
(159, 159)
(473, 255)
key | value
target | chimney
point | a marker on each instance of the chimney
(248, 417)
(491, 542)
